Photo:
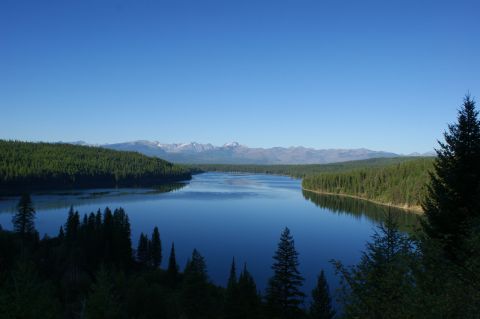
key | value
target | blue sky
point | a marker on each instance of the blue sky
(385, 75)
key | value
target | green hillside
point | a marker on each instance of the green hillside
(399, 184)
(300, 170)
(398, 181)
(25, 166)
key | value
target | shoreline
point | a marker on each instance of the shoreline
(410, 209)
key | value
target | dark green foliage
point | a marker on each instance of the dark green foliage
(449, 282)
(453, 202)
(24, 219)
(25, 295)
(72, 225)
(25, 165)
(300, 170)
(382, 285)
(400, 184)
(249, 303)
(172, 269)
(196, 300)
(155, 248)
(143, 252)
(102, 303)
(231, 294)
(321, 307)
(283, 292)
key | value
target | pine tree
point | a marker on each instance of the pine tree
(196, 300)
(72, 225)
(283, 292)
(24, 220)
(61, 233)
(248, 298)
(231, 294)
(143, 255)
(321, 306)
(232, 278)
(156, 248)
(172, 269)
(382, 284)
(453, 199)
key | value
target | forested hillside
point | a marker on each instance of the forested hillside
(25, 165)
(399, 184)
(399, 181)
(300, 171)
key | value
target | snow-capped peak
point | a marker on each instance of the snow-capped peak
(231, 144)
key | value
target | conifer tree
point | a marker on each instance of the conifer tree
(143, 255)
(283, 292)
(382, 284)
(453, 199)
(196, 300)
(72, 225)
(231, 294)
(155, 248)
(24, 219)
(172, 265)
(321, 306)
(248, 299)
(61, 233)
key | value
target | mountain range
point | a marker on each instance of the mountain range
(235, 153)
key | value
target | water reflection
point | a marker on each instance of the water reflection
(362, 208)
(78, 198)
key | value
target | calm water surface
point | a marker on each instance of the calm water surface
(225, 215)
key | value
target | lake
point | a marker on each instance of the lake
(227, 215)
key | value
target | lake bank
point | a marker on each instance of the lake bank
(411, 209)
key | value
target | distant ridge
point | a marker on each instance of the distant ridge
(235, 153)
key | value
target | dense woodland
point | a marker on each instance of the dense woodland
(300, 170)
(401, 184)
(25, 165)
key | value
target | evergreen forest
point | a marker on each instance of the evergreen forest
(33, 166)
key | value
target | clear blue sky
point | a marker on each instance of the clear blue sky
(385, 75)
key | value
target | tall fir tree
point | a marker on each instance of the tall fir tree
(24, 219)
(321, 306)
(143, 255)
(156, 248)
(382, 284)
(284, 296)
(249, 303)
(231, 309)
(72, 226)
(61, 233)
(195, 297)
(453, 199)
(172, 269)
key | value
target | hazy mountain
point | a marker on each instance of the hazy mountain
(234, 153)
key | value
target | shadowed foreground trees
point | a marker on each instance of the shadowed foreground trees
(382, 284)
(453, 203)
(321, 306)
(89, 271)
(438, 276)
(284, 296)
